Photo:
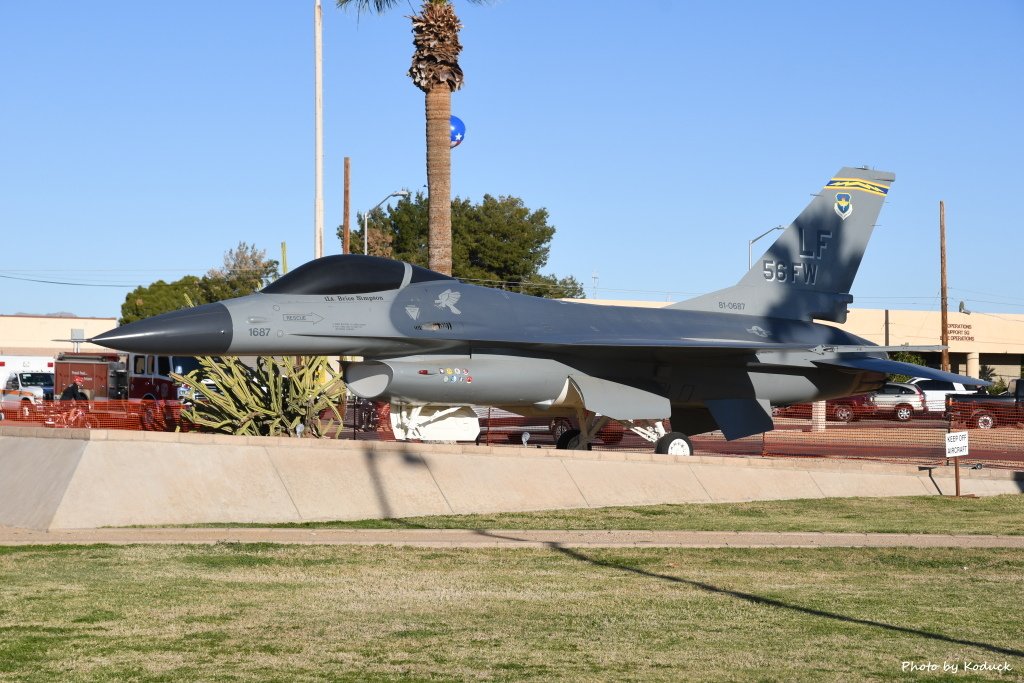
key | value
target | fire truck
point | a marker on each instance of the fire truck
(136, 385)
(108, 376)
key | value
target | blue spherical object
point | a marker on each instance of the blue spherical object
(458, 131)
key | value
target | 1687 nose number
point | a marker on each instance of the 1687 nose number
(259, 331)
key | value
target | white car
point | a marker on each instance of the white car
(899, 400)
(935, 392)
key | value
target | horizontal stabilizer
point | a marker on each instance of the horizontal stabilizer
(896, 367)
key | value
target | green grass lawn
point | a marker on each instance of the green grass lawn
(269, 612)
(264, 612)
(925, 514)
(254, 611)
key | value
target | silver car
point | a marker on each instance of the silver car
(898, 400)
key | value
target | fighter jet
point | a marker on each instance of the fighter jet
(430, 343)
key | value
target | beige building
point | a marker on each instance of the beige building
(34, 335)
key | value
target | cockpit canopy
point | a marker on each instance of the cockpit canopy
(348, 274)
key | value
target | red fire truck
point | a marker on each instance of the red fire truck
(135, 386)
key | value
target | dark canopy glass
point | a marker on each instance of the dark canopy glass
(348, 274)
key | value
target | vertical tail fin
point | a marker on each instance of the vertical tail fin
(808, 272)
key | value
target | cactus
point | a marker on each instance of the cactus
(279, 397)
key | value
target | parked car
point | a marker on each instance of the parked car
(899, 400)
(894, 400)
(935, 392)
(846, 409)
(981, 411)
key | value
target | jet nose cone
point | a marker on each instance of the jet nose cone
(200, 331)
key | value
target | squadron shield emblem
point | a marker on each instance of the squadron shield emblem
(844, 205)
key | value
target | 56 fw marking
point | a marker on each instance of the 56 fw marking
(781, 271)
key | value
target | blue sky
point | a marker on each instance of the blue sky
(142, 140)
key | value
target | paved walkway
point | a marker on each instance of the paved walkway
(467, 538)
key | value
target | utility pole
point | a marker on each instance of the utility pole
(318, 106)
(346, 226)
(944, 295)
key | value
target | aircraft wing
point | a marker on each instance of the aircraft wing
(617, 342)
(899, 368)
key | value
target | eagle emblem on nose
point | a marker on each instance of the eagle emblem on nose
(448, 299)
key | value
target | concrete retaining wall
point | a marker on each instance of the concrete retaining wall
(67, 479)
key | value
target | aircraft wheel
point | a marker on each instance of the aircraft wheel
(984, 421)
(570, 441)
(560, 426)
(904, 413)
(843, 413)
(674, 443)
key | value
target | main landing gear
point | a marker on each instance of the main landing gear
(670, 443)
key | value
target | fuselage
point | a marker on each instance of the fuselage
(519, 350)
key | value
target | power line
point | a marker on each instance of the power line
(71, 284)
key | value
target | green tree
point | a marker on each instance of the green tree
(160, 297)
(905, 357)
(245, 270)
(497, 243)
(435, 70)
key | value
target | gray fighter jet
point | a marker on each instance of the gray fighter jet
(719, 361)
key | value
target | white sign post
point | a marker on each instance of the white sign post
(956, 444)
(957, 447)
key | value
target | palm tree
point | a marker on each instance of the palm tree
(435, 70)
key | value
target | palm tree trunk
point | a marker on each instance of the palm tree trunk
(439, 179)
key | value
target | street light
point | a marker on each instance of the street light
(366, 218)
(750, 243)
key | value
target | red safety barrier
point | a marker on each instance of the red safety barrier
(113, 414)
(996, 438)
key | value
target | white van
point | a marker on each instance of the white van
(25, 381)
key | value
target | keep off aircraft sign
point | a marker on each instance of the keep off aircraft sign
(956, 444)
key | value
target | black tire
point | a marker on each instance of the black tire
(570, 441)
(904, 413)
(560, 426)
(842, 413)
(984, 421)
(674, 443)
(148, 416)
